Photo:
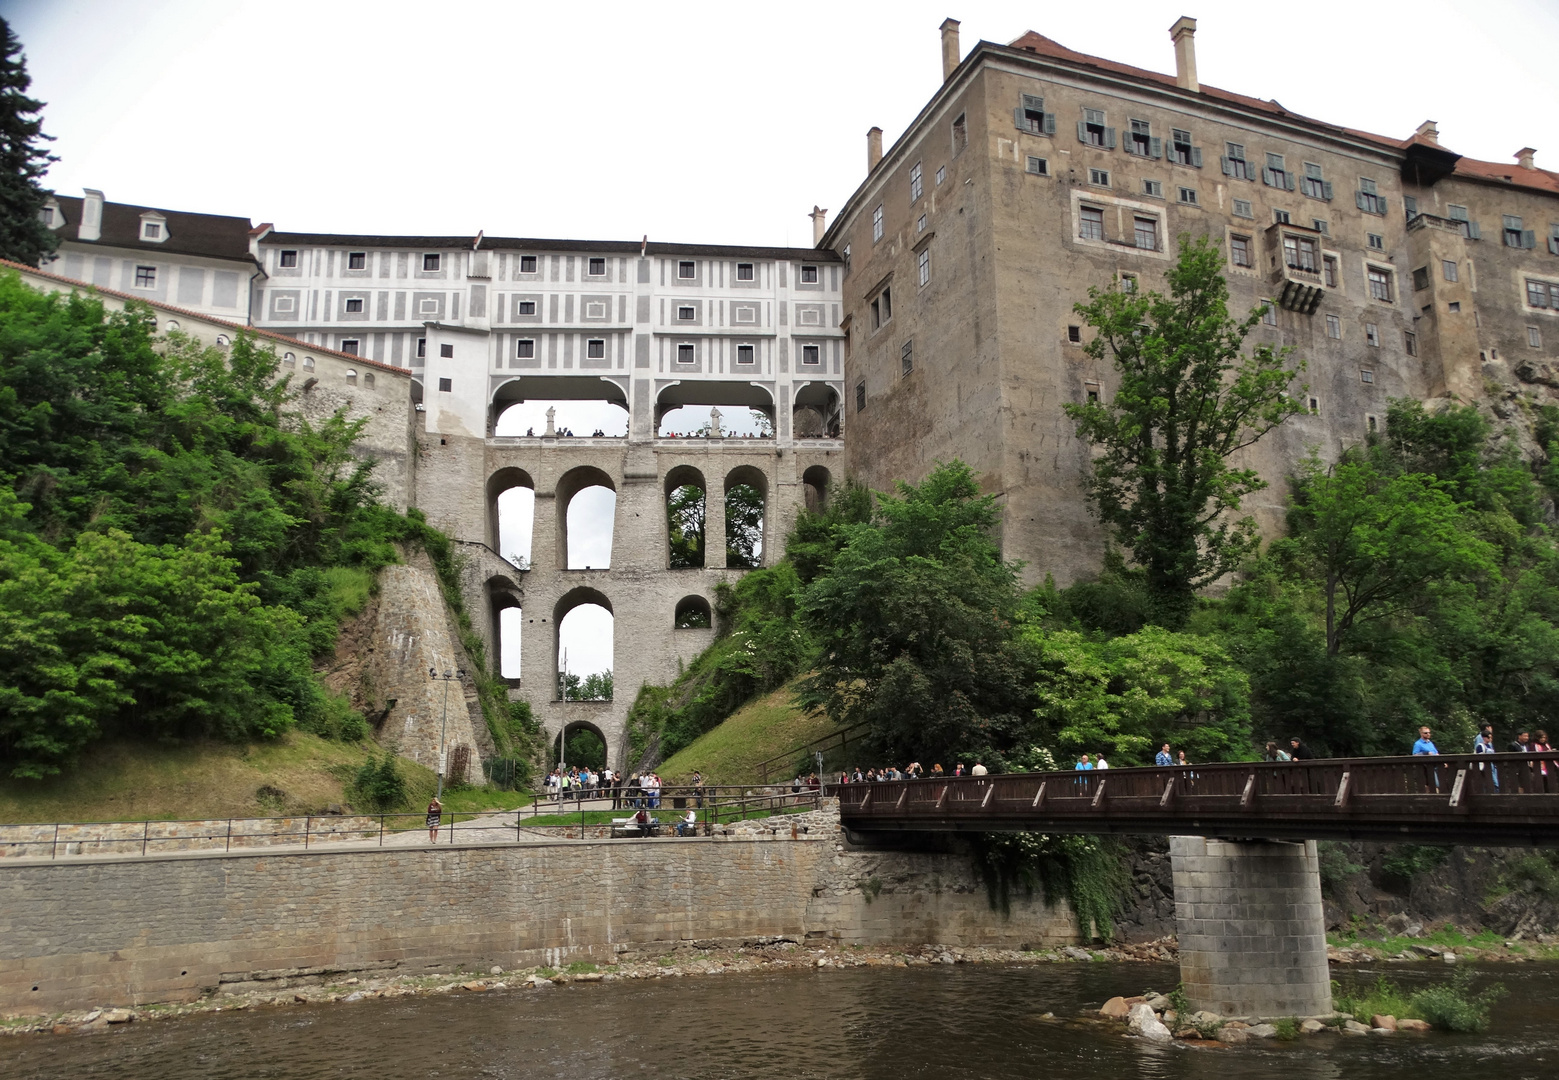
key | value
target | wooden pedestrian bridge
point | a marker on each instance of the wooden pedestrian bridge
(1505, 800)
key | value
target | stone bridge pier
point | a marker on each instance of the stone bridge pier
(1252, 934)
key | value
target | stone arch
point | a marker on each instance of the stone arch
(748, 395)
(749, 476)
(815, 481)
(569, 485)
(693, 613)
(504, 595)
(523, 388)
(561, 739)
(505, 480)
(690, 552)
(575, 598)
(815, 411)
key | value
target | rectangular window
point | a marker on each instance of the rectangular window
(422, 346)
(1092, 223)
(917, 186)
(354, 304)
(1377, 242)
(1329, 271)
(1281, 217)
(284, 304)
(431, 262)
(1368, 198)
(920, 224)
(145, 277)
(1421, 278)
(1074, 334)
(1454, 307)
(289, 258)
(960, 134)
(1334, 327)
(1311, 183)
(1188, 196)
(1512, 231)
(1380, 284)
(357, 260)
(1321, 225)
(1141, 141)
(595, 349)
(1409, 207)
(809, 275)
(1234, 163)
(526, 307)
(1372, 335)
(1534, 337)
(525, 349)
(1153, 188)
(744, 272)
(1269, 313)
(47, 214)
(527, 264)
(1128, 283)
(447, 352)
(907, 358)
(1366, 375)
(1091, 130)
(1537, 294)
(746, 354)
(427, 306)
(811, 355)
(923, 264)
(349, 346)
(877, 223)
(686, 313)
(446, 386)
(1243, 209)
(1181, 152)
(596, 267)
(1101, 177)
(1410, 342)
(1276, 173)
(1239, 251)
(1315, 406)
(860, 396)
(687, 269)
(1448, 269)
(887, 304)
(1038, 166)
(1299, 253)
(685, 354)
(1030, 116)
(941, 174)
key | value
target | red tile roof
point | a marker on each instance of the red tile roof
(240, 328)
(1513, 174)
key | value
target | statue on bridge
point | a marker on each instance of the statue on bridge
(714, 423)
(552, 413)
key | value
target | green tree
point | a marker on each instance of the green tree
(915, 626)
(685, 523)
(743, 526)
(24, 237)
(1188, 399)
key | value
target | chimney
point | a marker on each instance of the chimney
(1524, 157)
(950, 56)
(819, 218)
(1183, 34)
(91, 226)
(873, 148)
(1429, 132)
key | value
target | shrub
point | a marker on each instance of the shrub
(379, 783)
(1454, 1007)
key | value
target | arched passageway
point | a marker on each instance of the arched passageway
(587, 511)
(504, 600)
(693, 613)
(584, 647)
(581, 405)
(683, 409)
(686, 515)
(746, 505)
(815, 412)
(815, 481)
(578, 745)
(511, 514)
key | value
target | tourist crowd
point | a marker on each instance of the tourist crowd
(635, 790)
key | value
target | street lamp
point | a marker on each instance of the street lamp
(448, 677)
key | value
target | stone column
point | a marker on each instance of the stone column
(714, 514)
(1252, 936)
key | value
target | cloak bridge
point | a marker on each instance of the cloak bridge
(1243, 843)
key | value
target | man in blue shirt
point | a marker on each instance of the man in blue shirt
(1085, 765)
(1163, 757)
(1484, 744)
(1424, 745)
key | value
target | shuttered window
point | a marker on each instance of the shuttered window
(1142, 143)
(1368, 199)
(1181, 152)
(1234, 163)
(1092, 130)
(1030, 116)
(1469, 227)
(1516, 236)
(1276, 173)
(1312, 184)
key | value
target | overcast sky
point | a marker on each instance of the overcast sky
(693, 122)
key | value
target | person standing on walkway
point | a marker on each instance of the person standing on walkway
(1521, 745)
(978, 770)
(1162, 758)
(1299, 751)
(1100, 763)
(1483, 743)
(435, 816)
(1425, 747)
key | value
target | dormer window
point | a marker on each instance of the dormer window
(51, 215)
(154, 228)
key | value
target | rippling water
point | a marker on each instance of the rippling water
(867, 1023)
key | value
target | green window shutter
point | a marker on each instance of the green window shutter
(1019, 120)
(1553, 245)
(1109, 138)
(1082, 131)
(1267, 177)
(1473, 231)
(1382, 203)
(1529, 238)
(1290, 178)
(1196, 157)
(1050, 123)
(1228, 170)
(1358, 199)
(1156, 148)
(1326, 190)
(1037, 104)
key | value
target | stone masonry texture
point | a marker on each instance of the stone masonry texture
(1252, 935)
(76, 933)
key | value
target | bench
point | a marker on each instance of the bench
(627, 826)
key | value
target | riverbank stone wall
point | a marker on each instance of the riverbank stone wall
(1252, 935)
(125, 931)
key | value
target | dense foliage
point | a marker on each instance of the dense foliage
(24, 237)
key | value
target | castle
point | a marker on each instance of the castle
(933, 319)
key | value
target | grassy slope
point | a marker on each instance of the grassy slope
(760, 729)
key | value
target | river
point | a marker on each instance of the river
(866, 1023)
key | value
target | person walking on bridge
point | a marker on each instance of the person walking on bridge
(1299, 751)
(1162, 759)
(1483, 743)
(1425, 747)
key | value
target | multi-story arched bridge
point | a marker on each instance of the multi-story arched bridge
(1247, 895)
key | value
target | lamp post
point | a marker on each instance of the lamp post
(448, 677)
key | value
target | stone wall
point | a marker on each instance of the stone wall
(86, 932)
